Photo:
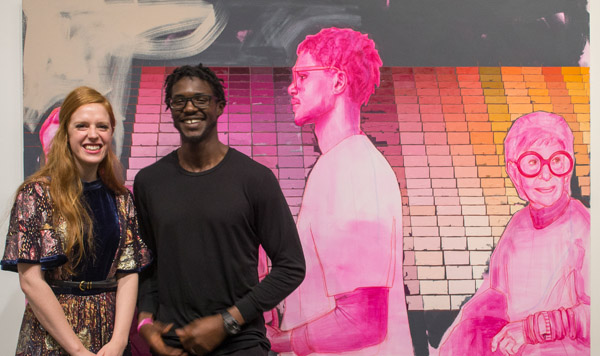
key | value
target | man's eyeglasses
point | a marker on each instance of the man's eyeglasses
(200, 101)
(295, 70)
(530, 163)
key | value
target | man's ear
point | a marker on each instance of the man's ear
(220, 108)
(340, 82)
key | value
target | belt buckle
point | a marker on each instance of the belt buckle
(83, 286)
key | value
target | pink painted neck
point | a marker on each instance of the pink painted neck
(543, 217)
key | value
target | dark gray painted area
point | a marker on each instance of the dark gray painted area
(407, 32)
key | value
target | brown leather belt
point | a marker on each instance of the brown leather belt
(83, 286)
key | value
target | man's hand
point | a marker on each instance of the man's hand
(153, 333)
(281, 341)
(510, 339)
(202, 335)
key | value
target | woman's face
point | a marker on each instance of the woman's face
(545, 188)
(90, 135)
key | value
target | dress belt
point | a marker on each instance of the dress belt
(109, 284)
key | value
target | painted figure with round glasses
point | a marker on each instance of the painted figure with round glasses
(535, 299)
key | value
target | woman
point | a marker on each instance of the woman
(536, 298)
(73, 239)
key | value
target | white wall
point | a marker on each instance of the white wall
(11, 161)
(11, 167)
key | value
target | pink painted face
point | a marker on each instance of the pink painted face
(311, 90)
(90, 134)
(545, 188)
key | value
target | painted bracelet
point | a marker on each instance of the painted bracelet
(144, 322)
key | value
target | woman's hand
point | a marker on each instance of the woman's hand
(113, 348)
(510, 339)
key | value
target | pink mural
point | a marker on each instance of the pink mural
(350, 222)
(48, 129)
(541, 305)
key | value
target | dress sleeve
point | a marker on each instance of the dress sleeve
(134, 255)
(32, 237)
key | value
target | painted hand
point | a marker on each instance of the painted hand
(510, 339)
(281, 341)
(202, 335)
(152, 333)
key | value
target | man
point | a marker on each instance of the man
(350, 221)
(204, 209)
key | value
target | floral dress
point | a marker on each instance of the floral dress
(118, 248)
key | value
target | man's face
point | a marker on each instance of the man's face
(195, 124)
(545, 188)
(311, 90)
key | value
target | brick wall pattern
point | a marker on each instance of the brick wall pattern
(442, 131)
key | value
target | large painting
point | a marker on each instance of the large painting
(449, 137)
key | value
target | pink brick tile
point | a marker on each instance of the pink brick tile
(472, 200)
(443, 183)
(426, 243)
(289, 150)
(456, 301)
(456, 220)
(240, 127)
(456, 258)
(245, 149)
(480, 258)
(428, 287)
(291, 161)
(436, 302)
(425, 231)
(477, 220)
(236, 138)
(143, 151)
(448, 210)
(285, 138)
(461, 286)
(162, 151)
(420, 200)
(435, 138)
(139, 128)
(459, 272)
(264, 138)
(418, 183)
(168, 127)
(424, 192)
(465, 172)
(445, 192)
(479, 210)
(478, 231)
(131, 173)
(150, 85)
(291, 183)
(447, 200)
(410, 126)
(461, 161)
(168, 139)
(430, 272)
(141, 162)
(406, 117)
(428, 258)
(411, 138)
(437, 150)
(452, 231)
(480, 243)
(291, 173)
(414, 302)
(147, 118)
(148, 109)
(423, 221)
(454, 243)
(395, 161)
(440, 161)
(144, 139)
(468, 182)
(441, 172)
(416, 172)
(461, 150)
(434, 126)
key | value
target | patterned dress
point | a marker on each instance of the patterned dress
(118, 248)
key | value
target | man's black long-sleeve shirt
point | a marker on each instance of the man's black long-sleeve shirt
(205, 229)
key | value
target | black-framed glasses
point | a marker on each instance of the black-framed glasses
(200, 101)
(530, 163)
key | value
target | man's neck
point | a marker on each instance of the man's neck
(340, 123)
(198, 157)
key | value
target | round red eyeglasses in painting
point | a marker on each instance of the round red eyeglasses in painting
(530, 163)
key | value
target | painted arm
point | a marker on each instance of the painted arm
(358, 320)
(48, 310)
(126, 297)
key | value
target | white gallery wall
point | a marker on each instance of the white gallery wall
(11, 169)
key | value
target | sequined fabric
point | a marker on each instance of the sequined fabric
(31, 238)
